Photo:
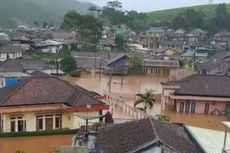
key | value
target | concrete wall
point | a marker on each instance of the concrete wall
(200, 106)
(69, 120)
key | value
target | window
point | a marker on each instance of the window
(57, 122)
(40, 124)
(193, 107)
(181, 107)
(187, 106)
(21, 125)
(227, 106)
(17, 124)
(12, 126)
(48, 122)
(206, 108)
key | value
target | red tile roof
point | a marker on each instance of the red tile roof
(38, 90)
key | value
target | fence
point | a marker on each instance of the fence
(128, 109)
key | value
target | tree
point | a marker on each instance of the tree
(189, 19)
(89, 28)
(68, 64)
(71, 20)
(147, 99)
(137, 62)
(120, 38)
(113, 13)
(36, 23)
(222, 17)
(114, 4)
(45, 24)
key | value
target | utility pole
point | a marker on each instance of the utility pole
(121, 86)
(100, 69)
(194, 60)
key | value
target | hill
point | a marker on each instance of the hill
(165, 16)
(16, 12)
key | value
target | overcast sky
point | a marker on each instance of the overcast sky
(150, 5)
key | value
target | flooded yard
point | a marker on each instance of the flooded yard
(197, 120)
(40, 144)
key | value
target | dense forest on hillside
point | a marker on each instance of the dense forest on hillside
(211, 18)
(16, 12)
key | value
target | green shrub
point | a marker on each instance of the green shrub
(164, 118)
(75, 73)
(38, 133)
(68, 64)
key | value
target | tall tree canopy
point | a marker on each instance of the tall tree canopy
(89, 28)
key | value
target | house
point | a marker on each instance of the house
(175, 44)
(145, 136)
(9, 51)
(219, 64)
(152, 36)
(69, 38)
(212, 141)
(171, 35)
(28, 66)
(201, 94)
(23, 42)
(107, 43)
(119, 65)
(10, 78)
(223, 37)
(4, 39)
(107, 33)
(42, 102)
(49, 46)
(161, 67)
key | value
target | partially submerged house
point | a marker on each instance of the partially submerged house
(10, 51)
(161, 67)
(145, 136)
(201, 94)
(42, 102)
(119, 65)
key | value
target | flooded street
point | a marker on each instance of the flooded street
(131, 87)
(127, 90)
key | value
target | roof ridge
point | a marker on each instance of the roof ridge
(153, 128)
(23, 83)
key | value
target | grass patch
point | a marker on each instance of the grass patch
(38, 133)
(167, 15)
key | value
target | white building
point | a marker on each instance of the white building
(10, 52)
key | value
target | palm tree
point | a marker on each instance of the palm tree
(147, 99)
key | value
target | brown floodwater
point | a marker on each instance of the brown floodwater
(41, 144)
(196, 120)
(131, 87)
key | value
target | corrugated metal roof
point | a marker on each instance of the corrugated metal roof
(211, 141)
